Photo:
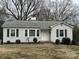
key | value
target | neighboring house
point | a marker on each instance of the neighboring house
(44, 31)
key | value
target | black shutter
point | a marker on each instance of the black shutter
(25, 32)
(17, 32)
(57, 33)
(7, 32)
(65, 33)
(37, 32)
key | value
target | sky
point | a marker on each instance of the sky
(76, 2)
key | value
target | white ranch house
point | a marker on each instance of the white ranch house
(44, 31)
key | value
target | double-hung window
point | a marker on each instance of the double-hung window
(31, 32)
(12, 32)
(61, 33)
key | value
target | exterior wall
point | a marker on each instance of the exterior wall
(59, 27)
(44, 35)
(21, 37)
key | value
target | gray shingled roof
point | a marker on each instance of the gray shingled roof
(29, 24)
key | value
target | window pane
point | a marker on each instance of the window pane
(32, 33)
(57, 32)
(37, 32)
(17, 32)
(12, 32)
(61, 33)
(65, 33)
(7, 32)
(25, 32)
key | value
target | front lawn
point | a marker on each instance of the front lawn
(38, 51)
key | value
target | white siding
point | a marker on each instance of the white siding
(21, 37)
(45, 35)
(59, 27)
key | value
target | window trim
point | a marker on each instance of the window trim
(34, 33)
(14, 33)
(61, 35)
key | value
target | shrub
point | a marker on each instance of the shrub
(1, 41)
(35, 40)
(57, 41)
(66, 41)
(74, 42)
(8, 42)
(18, 41)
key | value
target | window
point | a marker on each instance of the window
(65, 33)
(12, 32)
(31, 32)
(17, 32)
(61, 33)
(37, 32)
(25, 32)
(57, 32)
(7, 32)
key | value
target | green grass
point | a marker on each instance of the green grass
(38, 51)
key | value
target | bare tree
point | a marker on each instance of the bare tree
(59, 10)
(3, 14)
(21, 9)
(43, 14)
(63, 10)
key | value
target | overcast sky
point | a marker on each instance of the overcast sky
(76, 2)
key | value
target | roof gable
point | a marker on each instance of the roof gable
(66, 24)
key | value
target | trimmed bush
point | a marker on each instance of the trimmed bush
(57, 41)
(18, 41)
(66, 41)
(8, 42)
(35, 40)
(1, 41)
(73, 42)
